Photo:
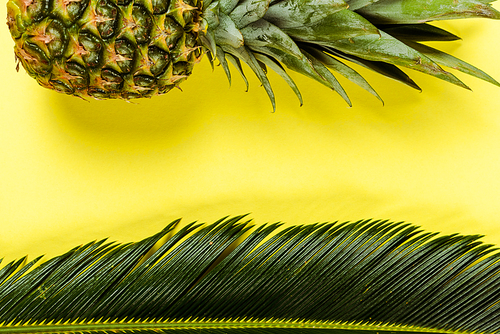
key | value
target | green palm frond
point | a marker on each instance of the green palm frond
(229, 277)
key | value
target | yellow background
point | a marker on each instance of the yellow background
(72, 171)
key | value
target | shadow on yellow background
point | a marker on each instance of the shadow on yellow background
(72, 171)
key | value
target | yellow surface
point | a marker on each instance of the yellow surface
(72, 171)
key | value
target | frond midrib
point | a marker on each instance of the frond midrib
(212, 324)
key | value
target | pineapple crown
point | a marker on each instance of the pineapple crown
(315, 37)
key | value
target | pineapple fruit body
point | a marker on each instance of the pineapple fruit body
(139, 48)
(105, 48)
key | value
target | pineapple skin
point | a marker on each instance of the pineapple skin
(106, 48)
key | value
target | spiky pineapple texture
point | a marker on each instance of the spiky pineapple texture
(140, 48)
(106, 48)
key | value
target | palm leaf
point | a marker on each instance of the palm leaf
(229, 277)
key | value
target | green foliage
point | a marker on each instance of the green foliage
(230, 277)
(307, 35)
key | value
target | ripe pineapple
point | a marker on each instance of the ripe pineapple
(139, 48)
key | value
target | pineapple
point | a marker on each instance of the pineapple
(140, 48)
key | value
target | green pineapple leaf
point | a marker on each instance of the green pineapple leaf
(339, 67)
(418, 32)
(386, 69)
(276, 67)
(388, 49)
(417, 11)
(448, 60)
(229, 277)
